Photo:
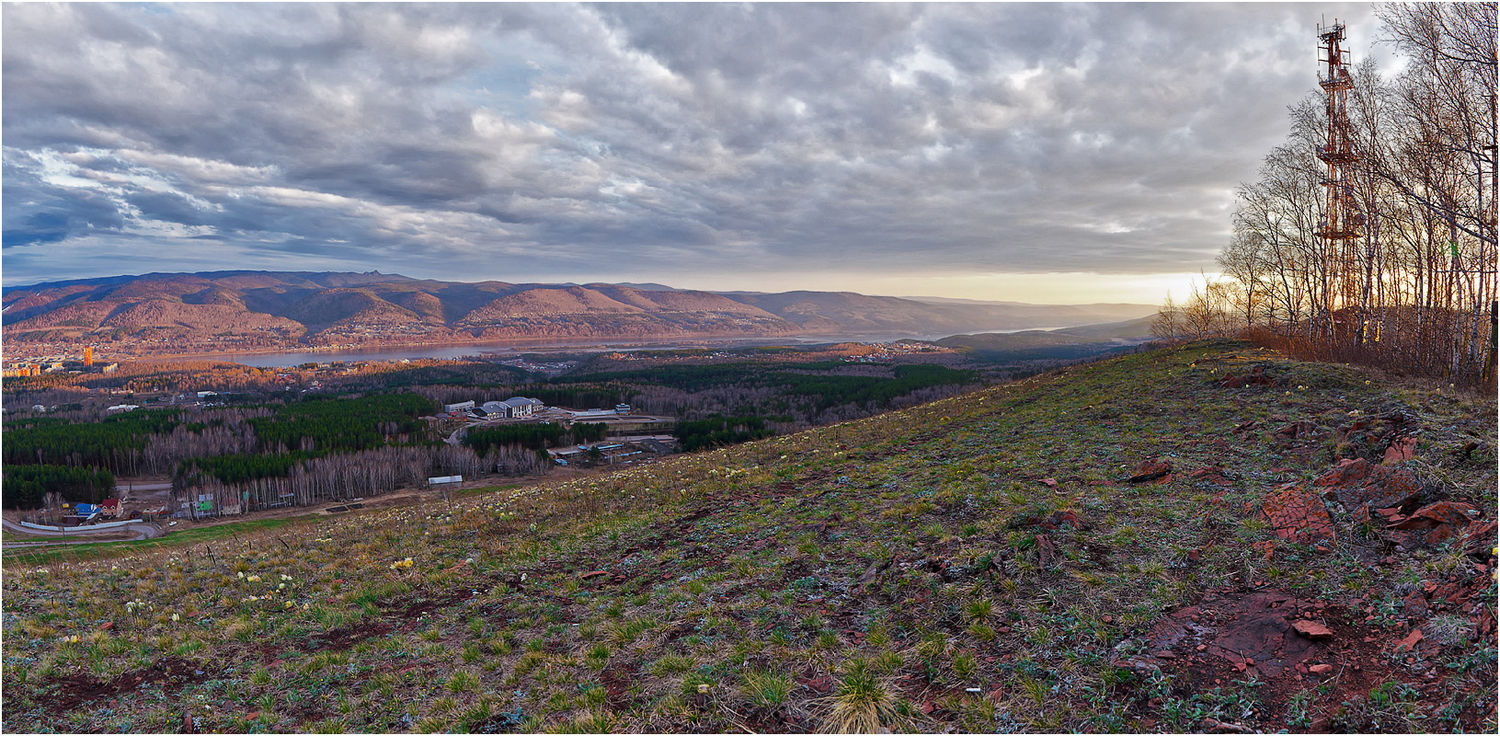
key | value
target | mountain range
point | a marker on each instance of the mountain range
(161, 314)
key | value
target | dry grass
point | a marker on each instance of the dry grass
(864, 576)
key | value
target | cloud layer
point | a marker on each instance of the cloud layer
(526, 142)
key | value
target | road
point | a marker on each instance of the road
(143, 530)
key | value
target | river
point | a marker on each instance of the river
(451, 352)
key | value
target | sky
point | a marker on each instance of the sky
(1035, 152)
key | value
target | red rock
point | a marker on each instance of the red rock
(1067, 516)
(1049, 482)
(1298, 515)
(1311, 629)
(1357, 484)
(594, 574)
(1402, 449)
(106, 626)
(1440, 521)
(1410, 642)
(1347, 472)
(1479, 539)
(1149, 470)
(1320, 669)
(822, 684)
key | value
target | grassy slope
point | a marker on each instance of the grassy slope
(890, 566)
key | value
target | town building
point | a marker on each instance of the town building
(515, 407)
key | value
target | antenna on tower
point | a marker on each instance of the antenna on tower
(1343, 222)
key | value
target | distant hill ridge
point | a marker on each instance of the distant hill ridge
(174, 313)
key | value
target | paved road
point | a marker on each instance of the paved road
(79, 535)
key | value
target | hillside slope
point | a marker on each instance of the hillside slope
(1128, 545)
(159, 314)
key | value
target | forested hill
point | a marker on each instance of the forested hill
(257, 310)
(1204, 538)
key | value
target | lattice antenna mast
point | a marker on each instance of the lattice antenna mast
(1343, 222)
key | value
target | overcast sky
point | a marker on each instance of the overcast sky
(1036, 152)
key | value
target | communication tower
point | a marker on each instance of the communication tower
(1343, 223)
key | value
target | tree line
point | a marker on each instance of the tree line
(155, 441)
(537, 436)
(346, 476)
(27, 486)
(1410, 283)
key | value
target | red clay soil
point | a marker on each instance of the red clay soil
(344, 637)
(1235, 635)
(616, 678)
(169, 673)
(1256, 376)
(1251, 632)
(1291, 645)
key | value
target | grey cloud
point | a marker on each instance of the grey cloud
(478, 139)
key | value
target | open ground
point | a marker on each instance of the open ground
(1210, 537)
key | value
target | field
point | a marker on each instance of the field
(1107, 547)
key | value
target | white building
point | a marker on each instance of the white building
(515, 407)
(460, 406)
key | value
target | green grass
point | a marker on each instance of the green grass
(887, 573)
(482, 490)
(184, 538)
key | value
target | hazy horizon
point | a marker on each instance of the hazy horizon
(993, 151)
